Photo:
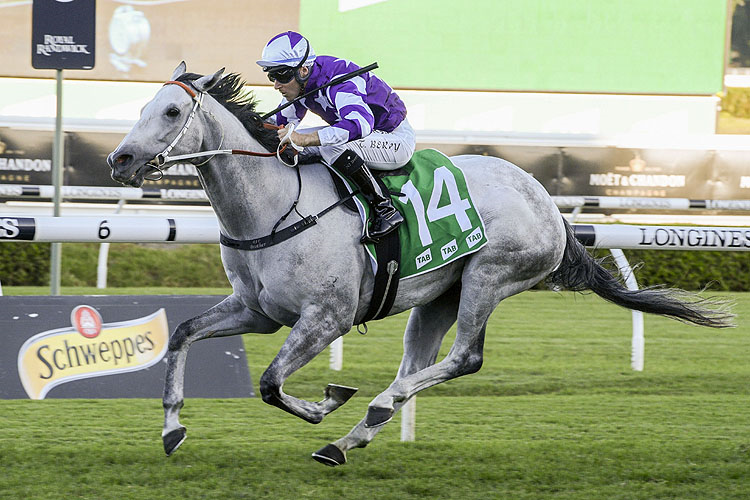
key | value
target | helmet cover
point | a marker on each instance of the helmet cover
(286, 49)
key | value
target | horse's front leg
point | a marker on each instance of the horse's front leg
(313, 332)
(229, 317)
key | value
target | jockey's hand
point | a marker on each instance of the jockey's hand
(303, 140)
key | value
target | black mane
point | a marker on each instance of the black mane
(231, 93)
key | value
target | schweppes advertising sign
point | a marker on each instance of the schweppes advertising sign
(90, 348)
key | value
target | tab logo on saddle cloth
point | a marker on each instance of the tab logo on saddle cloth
(442, 223)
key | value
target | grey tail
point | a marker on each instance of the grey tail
(579, 271)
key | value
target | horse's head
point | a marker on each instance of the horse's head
(166, 124)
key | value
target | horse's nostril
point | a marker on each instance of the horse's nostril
(123, 159)
(120, 161)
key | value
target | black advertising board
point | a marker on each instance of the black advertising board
(25, 156)
(26, 159)
(63, 34)
(110, 347)
(657, 173)
(730, 173)
(543, 162)
(87, 154)
(711, 174)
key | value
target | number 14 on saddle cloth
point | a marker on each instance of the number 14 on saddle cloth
(441, 222)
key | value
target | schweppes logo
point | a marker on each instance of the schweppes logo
(90, 348)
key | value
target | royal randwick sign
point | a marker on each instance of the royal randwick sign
(90, 348)
(63, 34)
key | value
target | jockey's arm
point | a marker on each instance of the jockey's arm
(357, 123)
(304, 140)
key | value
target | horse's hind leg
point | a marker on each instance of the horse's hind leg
(229, 317)
(484, 285)
(424, 333)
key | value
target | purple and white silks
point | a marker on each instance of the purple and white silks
(354, 110)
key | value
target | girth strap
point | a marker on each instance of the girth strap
(271, 239)
(277, 237)
(388, 252)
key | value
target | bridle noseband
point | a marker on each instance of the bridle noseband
(163, 158)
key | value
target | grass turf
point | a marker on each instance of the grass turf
(555, 412)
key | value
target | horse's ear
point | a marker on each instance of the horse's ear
(206, 83)
(179, 70)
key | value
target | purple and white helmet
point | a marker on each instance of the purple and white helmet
(286, 49)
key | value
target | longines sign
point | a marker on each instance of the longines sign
(63, 34)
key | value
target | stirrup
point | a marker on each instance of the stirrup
(368, 237)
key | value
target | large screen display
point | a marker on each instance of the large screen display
(612, 46)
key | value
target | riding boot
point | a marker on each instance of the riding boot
(387, 218)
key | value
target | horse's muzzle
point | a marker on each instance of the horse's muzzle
(119, 161)
(122, 165)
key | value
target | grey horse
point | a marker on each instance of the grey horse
(320, 282)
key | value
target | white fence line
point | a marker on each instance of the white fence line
(101, 193)
(617, 202)
(102, 268)
(115, 228)
(640, 237)
(638, 341)
(110, 228)
(336, 357)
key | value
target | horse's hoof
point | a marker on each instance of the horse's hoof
(340, 393)
(377, 416)
(330, 455)
(173, 440)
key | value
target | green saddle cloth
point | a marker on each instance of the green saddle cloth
(441, 222)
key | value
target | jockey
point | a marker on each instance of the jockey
(366, 118)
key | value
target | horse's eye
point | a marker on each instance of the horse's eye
(173, 112)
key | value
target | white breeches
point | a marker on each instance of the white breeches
(379, 150)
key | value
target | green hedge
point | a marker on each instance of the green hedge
(736, 102)
(129, 265)
(24, 264)
(200, 266)
(727, 271)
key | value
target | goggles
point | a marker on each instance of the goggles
(285, 74)
(282, 75)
